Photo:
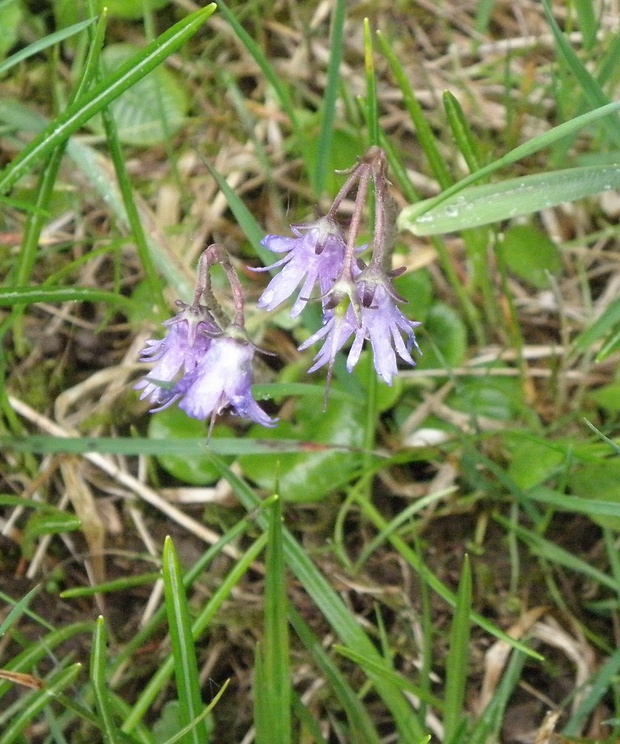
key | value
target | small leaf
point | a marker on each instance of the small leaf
(311, 475)
(530, 254)
(174, 424)
(491, 397)
(347, 145)
(606, 397)
(417, 288)
(533, 462)
(601, 482)
(449, 338)
(48, 522)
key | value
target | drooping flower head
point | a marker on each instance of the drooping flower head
(313, 257)
(377, 318)
(222, 380)
(362, 303)
(188, 338)
(204, 365)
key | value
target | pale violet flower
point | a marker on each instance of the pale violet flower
(178, 353)
(220, 381)
(313, 257)
(376, 318)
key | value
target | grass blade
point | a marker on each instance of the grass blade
(532, 146)
(360, 722)
(424, 133)
(37, 702)
(160, 678)
(274, 678)
(29, 295)
(328, 113)
(592, 90)
(264, 64)
(38, 46)
(253, 231)
(336, 613)
(100, 95)
(183, 649)
(481, 205)
(461, 130)
(381, 669)
(458, 655)
(98, 663)
(547, 549)
(598, 685)
(18, 609)
(144, 446)
(135, 224)
(372, 114)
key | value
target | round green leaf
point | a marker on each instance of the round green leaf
(315, 474)
(447, 338)
(530, 254)
(533, 462)
(347, 144)
(415, 287)
(599, 481)
(150, 111)
(386, 395)
(172, 423)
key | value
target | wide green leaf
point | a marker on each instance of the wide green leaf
(492, 202)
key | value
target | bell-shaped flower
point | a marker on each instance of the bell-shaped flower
(383, 323)
(221, 381)
(313, 257)
(376, 317)
(188, 338)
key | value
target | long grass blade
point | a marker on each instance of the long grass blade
(183, 649)
(481, 205)
(360, 722)
(328, 111)
(37, 702)
(372, 111)
(47, 41)
(161, 677)
(336, 613)
(458, 655)
(18, 609)
(135, 224)
(592, 91)
(98, 664)
(275, 673)
(100, 95)
(532, 146)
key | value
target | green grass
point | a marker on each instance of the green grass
(415, 563)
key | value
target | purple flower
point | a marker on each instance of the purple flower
(188, 338)
(339, 324)
(378, 319)
(314, 256)
(221, 379)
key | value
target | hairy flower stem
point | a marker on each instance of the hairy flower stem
(379, 179)
(215, 254)
(371, 166)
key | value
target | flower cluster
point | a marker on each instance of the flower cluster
(205, 361)
(358, 299)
